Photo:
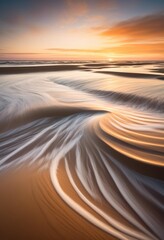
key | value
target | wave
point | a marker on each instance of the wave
(129, 99)
(147, 102)
(110, 157)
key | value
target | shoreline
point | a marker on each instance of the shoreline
(156, 74)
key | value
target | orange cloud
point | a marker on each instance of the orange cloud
(74, 50)
(154, 48)
(148, 28)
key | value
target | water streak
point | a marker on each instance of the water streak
(105, 133)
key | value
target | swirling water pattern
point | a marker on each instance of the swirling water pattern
(103, 133)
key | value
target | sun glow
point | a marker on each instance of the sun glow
(110, 59)
(79, 29)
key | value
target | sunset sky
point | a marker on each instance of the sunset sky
(82, 29)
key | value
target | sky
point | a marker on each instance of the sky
(82, 29)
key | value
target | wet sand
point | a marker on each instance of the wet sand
(81, 153)
(83, 67)
(133, 75)
(32, 69)
(31, 209)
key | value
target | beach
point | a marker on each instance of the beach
(81, 150)
(31, 209)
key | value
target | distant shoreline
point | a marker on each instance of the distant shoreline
(86, 67)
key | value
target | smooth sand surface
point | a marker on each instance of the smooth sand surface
(31, 209)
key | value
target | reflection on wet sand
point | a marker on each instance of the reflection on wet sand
(85, 140)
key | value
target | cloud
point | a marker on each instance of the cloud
(138, 29)
(77, 7)
(22, 53)
(35, 16)
(74, 50)
(147, 48)
(124, 49)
